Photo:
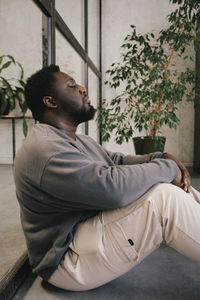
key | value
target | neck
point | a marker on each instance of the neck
(66, 126)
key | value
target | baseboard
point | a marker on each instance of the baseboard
(11, 281)
(189, 165)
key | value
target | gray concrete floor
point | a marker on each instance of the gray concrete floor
(164, 275)
(12, 243)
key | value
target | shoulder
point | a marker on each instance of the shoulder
(42, 143)
(46, 139)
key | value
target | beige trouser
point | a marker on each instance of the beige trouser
(113, 242)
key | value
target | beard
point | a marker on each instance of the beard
(82, 114)
(85, 114)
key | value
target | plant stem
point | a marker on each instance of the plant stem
(162, 94)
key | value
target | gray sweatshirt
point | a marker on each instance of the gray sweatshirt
(61, 182)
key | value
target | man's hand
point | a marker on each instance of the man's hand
(183, 178)
(178, 181)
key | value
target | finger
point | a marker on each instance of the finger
(186, 177)
(187, 181)
(187, 187)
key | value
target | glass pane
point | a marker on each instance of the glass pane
(21, 37)
(69, 62)
(45, 54)
(93, 92)
(72, 13)
(93, 31)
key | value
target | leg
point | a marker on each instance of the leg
(179, 214)
(110, 244)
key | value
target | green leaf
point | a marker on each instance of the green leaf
(22, 83)
(6, 83)
(25, 127)
(12, 58)
(6, 65)
(3, 103)
(22, 71)
(11, 100)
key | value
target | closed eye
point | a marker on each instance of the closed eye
(72, 84)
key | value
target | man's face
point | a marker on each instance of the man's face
(72, 99)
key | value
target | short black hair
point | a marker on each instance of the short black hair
(38, 85)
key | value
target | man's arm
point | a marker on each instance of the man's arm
(79, 183)
(140, 159)
(119, 158)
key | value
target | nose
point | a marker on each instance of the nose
(82, 90)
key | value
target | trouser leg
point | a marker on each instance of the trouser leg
(110, 244)
(179, 214)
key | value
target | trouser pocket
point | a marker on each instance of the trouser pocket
(88, 237)
(135, 235)
(123, 246)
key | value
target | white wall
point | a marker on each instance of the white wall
(117, 16)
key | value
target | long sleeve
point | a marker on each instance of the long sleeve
(120, 159)
(80, 183)
(140, 159)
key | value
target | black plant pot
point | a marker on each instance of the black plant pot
(148, 144)
(6, 109)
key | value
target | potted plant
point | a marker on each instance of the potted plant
(12, 90)
(153, 84)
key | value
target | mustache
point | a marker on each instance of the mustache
(86, 97)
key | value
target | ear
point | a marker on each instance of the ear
(49, 102)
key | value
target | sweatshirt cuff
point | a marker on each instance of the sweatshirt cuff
(173, 167)
(157, 155)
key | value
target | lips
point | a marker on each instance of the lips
(87, 100)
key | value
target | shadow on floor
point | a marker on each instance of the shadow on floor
(164, 275)
(12, 242)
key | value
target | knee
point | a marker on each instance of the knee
(167, 191)
(166, 199)
(166, 188)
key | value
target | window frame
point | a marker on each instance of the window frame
(54, 20)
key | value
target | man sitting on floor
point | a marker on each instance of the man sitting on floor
(90, 215)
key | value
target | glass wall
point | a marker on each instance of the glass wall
(37, 33)
(37, 39)
(93, 31)
(70, 62)
(72, 13)
(68, 59)
(77, 48)
(93, 92)
(21, 37)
